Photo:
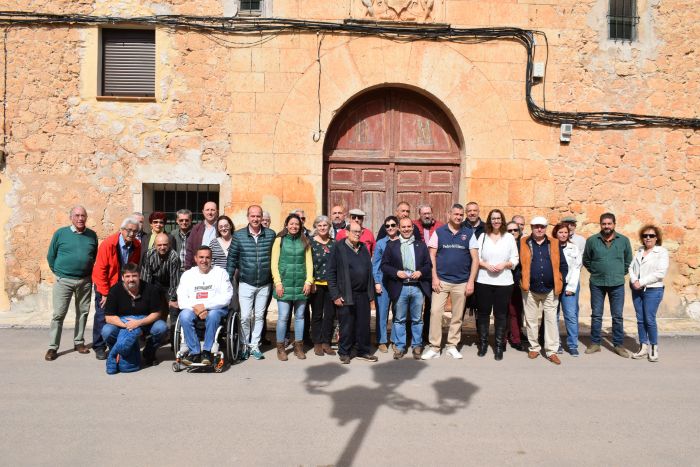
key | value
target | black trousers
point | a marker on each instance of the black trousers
(354, 325)
(496, 298)
(322, 315)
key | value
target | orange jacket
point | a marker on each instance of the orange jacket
(105, 273)
(526, 261)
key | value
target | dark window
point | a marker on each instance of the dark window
(251, 7)
(171, 197)
(128, 62)
(622, 20)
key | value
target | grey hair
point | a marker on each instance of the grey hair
(127, 221)
(423, 206)
(137, 213)
(77, 206)
(184, 212)
(266, 214)
(320, 219)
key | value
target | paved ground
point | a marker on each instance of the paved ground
(594, 410)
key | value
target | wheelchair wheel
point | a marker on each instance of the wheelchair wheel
(177, 345)
(233, 340)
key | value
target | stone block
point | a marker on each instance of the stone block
(251, 143)
(521, 192)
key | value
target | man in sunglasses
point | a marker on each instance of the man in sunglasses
(114, 252)
(302, 216)
(357, 217)
(607, 257)
(403, 211)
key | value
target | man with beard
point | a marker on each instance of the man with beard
(607, 257)
(403, 210)
(133, 304)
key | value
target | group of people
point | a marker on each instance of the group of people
(338, 268)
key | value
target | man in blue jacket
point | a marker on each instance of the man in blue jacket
(408, 275)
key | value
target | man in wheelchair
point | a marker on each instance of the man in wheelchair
(204, 293)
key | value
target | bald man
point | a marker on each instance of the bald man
(202, 233)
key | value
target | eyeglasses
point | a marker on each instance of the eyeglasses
(157, 221)
(496, 219)
(390, 226)
(648, 235)
(183, 220)
(513, 230)
(130, 231)
(355, 232)
(355, 216)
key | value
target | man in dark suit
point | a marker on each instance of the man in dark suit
(407, 276)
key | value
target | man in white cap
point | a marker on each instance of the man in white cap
(541, 285)
(357, 216)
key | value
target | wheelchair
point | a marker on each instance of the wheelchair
(227, 343)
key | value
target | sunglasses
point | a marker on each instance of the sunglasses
(513, 230)
(158, 222)
(648, 235)
(355, 216)
(390, 226)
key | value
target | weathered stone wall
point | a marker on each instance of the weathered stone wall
(242, 111)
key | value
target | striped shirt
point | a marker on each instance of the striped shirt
(219, 256)
(163, 272)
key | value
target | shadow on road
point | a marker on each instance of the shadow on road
(361, 403)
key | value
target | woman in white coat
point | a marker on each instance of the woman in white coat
(569, 297)
(647, 272)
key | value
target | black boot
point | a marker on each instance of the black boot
(483, 337)
(500, 344)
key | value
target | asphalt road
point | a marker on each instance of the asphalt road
(598, 409)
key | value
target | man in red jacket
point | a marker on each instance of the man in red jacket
(114, 252)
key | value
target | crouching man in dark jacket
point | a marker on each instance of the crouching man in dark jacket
(408, 276)
(351, 286)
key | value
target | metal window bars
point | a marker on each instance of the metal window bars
(622, 20)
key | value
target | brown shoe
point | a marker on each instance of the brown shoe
(51, 355)
(554, 359)
(281, 353)
(383, 348)
(417, 351)
(318, 350)
(299, 350)
(532, 355)
(81, 348)
(327, 349)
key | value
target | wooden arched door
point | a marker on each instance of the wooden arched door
(391, 145)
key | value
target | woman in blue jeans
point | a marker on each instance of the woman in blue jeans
(568, 301)
(647, 272)
(293, 274)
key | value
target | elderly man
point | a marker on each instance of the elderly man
(161, 268)
(133, 304)
(520, 221)
(337, 220)
(157, 221)
(403, 211)
(454, 270)
(202, 233)
(607, 256)
(114, 252)
(204, 293)
(351, 287)
(139, 218)
(407, 276)
(71, 256)
(357, 216)
(181, 234)
(426, 225)
(266, 220)
(543, 270)
(578, 240)
(250, 254)
(302, 216)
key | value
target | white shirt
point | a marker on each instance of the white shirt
(209, 234)
(573, 258)
(651, 269)
(579, 241)
(213, 290)
(503, 250)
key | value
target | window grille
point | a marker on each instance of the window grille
(622, 20)
(128, 62)
(251, 7)
(171, 197)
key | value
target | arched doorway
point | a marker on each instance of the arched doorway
(390, 145)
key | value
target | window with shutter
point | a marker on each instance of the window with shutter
(128, 62)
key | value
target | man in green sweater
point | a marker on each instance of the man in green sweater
(71, 257)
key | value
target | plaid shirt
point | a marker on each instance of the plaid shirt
(162, 272)
(181, 244)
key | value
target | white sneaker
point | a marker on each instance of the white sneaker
(453, 352)
(643, 352)
(654, 353)
(429, 354)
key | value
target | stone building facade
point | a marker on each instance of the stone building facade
(254, 115)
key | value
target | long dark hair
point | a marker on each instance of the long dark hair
(489, 226)
(227, 219)
(284, 232)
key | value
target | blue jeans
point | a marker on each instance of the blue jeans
(154, 332)
(98, 323)
(284, 308)
(616, 296)
(410, 301)
(254, 302)
(646, 303)
(569, 305)
(382, 302)
(212, 321)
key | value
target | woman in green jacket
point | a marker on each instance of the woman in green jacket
(292, 274)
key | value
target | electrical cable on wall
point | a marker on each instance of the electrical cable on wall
(393, 31)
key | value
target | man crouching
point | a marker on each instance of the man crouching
(204, 293)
